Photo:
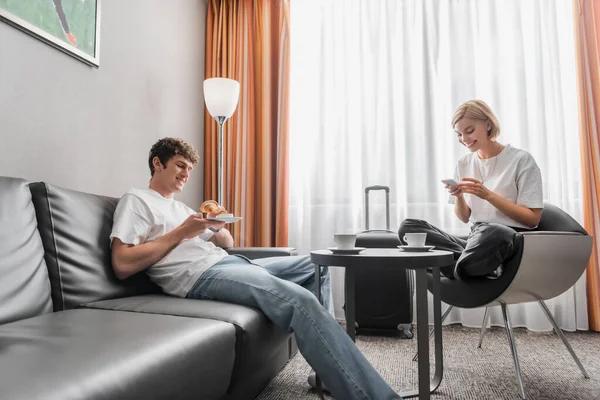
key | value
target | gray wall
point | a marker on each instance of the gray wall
(90, 129)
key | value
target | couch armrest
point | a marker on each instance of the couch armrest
(262, 252)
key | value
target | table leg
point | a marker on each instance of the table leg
(350, 295)
(318, 283)
(425, 388)
(437, 328)
(423, 334)
(318, 383)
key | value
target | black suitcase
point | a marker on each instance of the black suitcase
(383, 297)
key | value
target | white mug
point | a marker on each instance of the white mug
(415, 239)
(344, 240)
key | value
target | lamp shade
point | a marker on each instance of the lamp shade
(221, 96)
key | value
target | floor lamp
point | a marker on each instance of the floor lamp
(221, 97)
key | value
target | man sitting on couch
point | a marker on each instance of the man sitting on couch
(183, 253)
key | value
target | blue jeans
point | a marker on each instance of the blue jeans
(301, 271)
(263, 284)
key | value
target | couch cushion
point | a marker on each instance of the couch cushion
(98, 354)
(260, 344)
(24, 284)
(75, 229)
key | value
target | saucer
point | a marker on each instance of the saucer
(416, 249)
(227, 220)
(355, 250)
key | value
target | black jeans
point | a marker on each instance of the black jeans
(487, 246)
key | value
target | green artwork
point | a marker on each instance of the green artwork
(70, 25)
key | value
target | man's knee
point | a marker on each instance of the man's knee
(299, 260)
(306, 299)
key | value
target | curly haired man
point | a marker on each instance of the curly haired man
(184, 254)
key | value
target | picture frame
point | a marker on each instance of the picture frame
(71, 26)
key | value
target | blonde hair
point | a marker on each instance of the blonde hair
(478, 110)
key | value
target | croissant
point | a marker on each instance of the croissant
(211, 206)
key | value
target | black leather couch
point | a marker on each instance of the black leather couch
(70, 330)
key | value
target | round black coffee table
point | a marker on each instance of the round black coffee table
(420, 262)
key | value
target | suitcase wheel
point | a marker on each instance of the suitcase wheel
(406, 330)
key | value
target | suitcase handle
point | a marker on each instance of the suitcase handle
(377, 187)
(387, 204)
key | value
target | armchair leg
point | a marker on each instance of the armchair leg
(513, 348)
(486, 316)
(416, 357)
(562, 336)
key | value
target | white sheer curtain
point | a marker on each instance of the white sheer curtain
(374, 84)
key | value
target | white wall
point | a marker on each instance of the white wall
(90, 129)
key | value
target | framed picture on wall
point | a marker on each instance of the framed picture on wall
(72, 26)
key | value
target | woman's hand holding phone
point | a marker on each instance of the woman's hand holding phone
(476, 188)
(452, 187)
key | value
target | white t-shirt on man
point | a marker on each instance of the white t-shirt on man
(513, 174)
(143, 215)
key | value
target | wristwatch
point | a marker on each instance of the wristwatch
(213, 229)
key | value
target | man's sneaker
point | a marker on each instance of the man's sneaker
(312, 381)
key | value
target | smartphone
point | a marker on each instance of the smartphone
(449, 182)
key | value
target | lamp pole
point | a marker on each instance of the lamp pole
(220, 121)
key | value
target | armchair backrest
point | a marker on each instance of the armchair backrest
(555, 219)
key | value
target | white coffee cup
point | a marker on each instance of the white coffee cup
(344, 240)
(415, 239)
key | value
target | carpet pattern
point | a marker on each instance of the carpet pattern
(549, 372)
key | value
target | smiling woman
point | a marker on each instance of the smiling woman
(373, 87)
(499, 190)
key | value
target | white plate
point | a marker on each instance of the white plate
(355, 250)
(227, 220)
(416, 249)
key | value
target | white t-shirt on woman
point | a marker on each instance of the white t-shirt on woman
(144, 215)
(512, 174)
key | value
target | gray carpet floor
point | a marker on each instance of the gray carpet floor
(549, 372)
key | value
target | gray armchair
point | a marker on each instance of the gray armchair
(549, 260)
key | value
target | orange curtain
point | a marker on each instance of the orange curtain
(587, 36)
(248, 40)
